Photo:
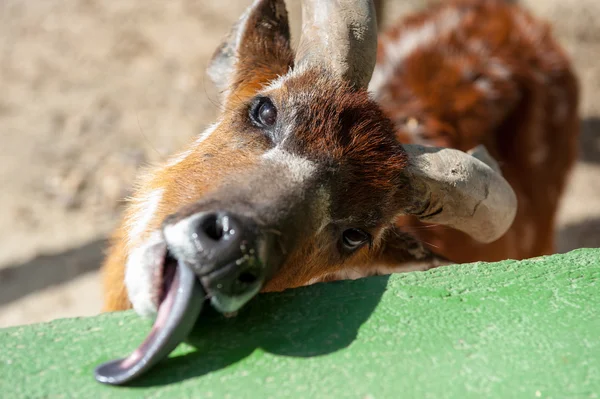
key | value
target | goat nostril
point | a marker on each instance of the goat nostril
(244, 282)
(213, 227)
(247, 278)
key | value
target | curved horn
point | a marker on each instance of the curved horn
(464, 191)
(340, 35)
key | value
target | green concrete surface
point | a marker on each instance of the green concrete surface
(512, 329)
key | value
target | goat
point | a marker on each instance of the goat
(307, 177)
(468, 73)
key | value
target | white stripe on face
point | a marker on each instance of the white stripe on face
(183, 155)
(144, 210)
(301, 169)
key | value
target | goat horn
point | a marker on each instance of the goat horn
(340, 35)
(464, 191)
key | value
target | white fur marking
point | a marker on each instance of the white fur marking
(300, 168)
(139, 272)
(484, 85)
(184, 154)
(145, 209)
(277, 83)
(410, 41)
(499, 69)
(179, 237)
(178, 158)
(206, 133)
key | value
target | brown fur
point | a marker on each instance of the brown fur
(437, 95)
(534, 109)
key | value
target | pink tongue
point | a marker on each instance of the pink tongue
(176, 317)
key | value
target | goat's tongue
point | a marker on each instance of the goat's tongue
(176, 317)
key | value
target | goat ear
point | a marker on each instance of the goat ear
(256, 50)
(465, 191)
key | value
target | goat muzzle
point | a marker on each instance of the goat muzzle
(218, 256)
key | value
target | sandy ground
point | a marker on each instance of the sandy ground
(92, 90)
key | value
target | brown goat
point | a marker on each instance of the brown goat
(472, 72)
(306, 178)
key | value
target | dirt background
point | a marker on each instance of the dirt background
(92, 90)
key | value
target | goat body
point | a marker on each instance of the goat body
(485, 72)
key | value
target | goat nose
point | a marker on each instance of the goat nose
(216, 232)
(224, 250)
(233, 242)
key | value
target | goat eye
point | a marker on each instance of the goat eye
(354, 238)
(264, 113)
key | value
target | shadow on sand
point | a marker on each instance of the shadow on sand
(17, 281)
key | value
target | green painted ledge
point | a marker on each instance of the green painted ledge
(526, 329)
